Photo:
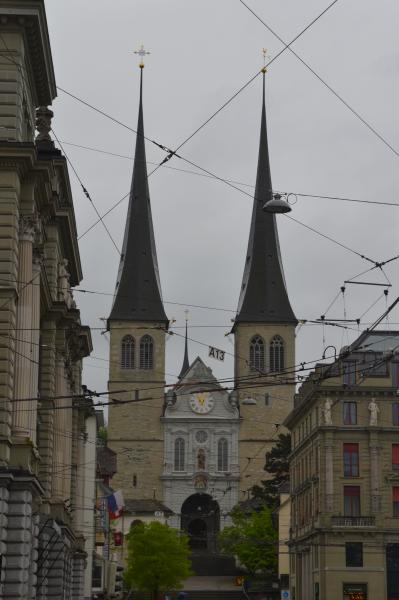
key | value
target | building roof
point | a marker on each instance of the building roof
(263, 296)
(138, 289)
(145, 507)
(106, 461)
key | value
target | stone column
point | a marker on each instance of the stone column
(35, 343)
(9, 201)
(59, 462)
(329, 474)
(67, 438)
(21, 415)
(19, 545)
(46, 411)
(375, 492)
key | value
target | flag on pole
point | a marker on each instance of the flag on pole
(115, 504)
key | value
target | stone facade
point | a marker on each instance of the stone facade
(261, 422)
(200, 433)
(135, 431)
(344, 475)
(42, 340)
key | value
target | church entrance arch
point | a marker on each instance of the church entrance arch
(200, 519)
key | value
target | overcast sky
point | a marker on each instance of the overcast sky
(201, 53)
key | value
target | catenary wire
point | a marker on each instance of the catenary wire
(189, 172)
(329, 87)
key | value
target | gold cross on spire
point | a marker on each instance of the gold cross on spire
(141, 52)
(265, 56)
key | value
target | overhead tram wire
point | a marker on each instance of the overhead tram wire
(21, 69)
(331, 89)
(242, 88)
(286, 47)
(300, 367)
(86, 192)
(248, 185)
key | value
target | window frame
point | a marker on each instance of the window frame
(354, 506)
(354, 554)
(179, 455)
(223, 455)
(351, 461)
(128, 352)
(395, 414)
(146, 353)
(395, 457)
(349, 418)
(395, 502)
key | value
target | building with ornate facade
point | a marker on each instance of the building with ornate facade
(198, 447)
(47, 425)
(344, 473)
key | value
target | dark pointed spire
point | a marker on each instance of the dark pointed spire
(186, 363)
(263, 297)
(138, 290)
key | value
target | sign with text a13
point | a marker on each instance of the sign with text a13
(216, 353)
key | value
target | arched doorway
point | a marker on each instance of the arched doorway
(197, 532)
(200, 518)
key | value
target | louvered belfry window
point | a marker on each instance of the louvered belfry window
(127, 352)
(276, 354)
(257, 354)
(146, 352)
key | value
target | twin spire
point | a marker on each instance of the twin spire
(263, 296)
(138, 298)
(138, 290)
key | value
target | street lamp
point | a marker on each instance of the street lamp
(277, 205)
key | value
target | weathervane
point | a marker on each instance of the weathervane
(141, 52)
(265, 56)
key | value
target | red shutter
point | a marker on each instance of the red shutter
(395, 454)
(352, 448)
(395, 494)
(352, 490)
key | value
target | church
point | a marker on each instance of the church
(195, 449)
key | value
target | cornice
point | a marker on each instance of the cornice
(29, 17)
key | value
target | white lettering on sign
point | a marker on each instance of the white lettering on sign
(216, 353)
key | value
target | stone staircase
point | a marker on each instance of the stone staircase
(213, 565)
(215, 595)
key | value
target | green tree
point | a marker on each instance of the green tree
(157, 558)
(253, 539)
(277, 464)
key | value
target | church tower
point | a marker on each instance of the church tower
(264, 332)
(137, 326)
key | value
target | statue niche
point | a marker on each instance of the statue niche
(201, 460)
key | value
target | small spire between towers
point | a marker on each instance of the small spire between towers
(186, 362)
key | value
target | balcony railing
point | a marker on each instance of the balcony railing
(353, 521)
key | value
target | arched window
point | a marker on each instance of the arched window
(201, 460)
(276, 354)
(257, 354)
(127, 358)
(223, 455)
(179, 454)
(146, 352)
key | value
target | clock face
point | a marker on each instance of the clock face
(202, 403)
